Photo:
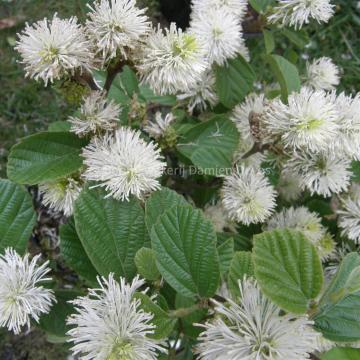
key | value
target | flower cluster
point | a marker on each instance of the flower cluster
(109, 323)
(22, 297)
(251, 327)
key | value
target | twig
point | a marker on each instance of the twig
(112, 72)
(87, 78)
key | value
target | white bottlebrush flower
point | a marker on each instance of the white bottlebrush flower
(309, 121)
(236, 7)
(160, 125)
(60, 195)
(323, 74)
(348, 139)
(52, 49)
(247, 196)
(202, 94)
(110, 325)
(322, 175)
(22, 296)
(124, 164)
(289, 186)
(116, 26)
(247, 117)
(299, 12)
(349, 218)
(221, 32)
(326, 247)
(254, 328)
(171, 62)
(309, 223)
(218, 216)
(301, 219)
(96, 114)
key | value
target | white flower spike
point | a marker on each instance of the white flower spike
(202, 94)
(299, 12)
(321, 174)
(236, 7)
(221, 32)
(61, 195)
(309, 121)
(116, 26)
(109, 324)
(160, 125)
(254, 328)
(172, 62)
(22, 297)
(53, 49)
(96, 115)
(323, 74)
(247, 196)
(124, 164)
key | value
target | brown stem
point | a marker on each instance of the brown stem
(112, 72)
(87, 78)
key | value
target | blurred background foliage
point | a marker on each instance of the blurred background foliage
(27, 107)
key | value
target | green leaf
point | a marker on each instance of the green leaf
(338, 312)
(54, 323)
(17, 216)
(342, 354)
(146, 264)
(211, 145)
(160, 201)
(269, 41)
(129, 81)
(287, 268)
(241, 243)
(300, 39)
(45, 157)
(111, 231)
(260, 5)
(241, 264)
(59, 126)
(74, 254)
(185, 246)
(164, 324)
(234, 81)
(286, 73)
(226, 253)
(148, 95)
(355, 169)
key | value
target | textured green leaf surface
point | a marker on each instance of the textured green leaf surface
(54, 323)
(146, 264)
(226, 253)
(45, 157)
(164, 324)
(234, 81)
(17, 216)
(211, 144)
(111, 231)
(287, 268)
(74, 254)
(241, 243)
(241, 265)
(160, 201)
(338, 317)
(185, 246)
(342, 354)
(286, 73)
